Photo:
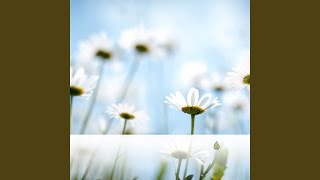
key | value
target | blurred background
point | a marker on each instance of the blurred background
(208, 38)
(93, 157)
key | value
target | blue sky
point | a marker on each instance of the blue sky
(212, 36)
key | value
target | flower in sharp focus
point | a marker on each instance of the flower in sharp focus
(240, 77)
(81, 85)
(127, 112)
(193, 105)
(96, 46)
(137, 39)
(180, 151)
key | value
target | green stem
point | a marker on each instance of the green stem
(115, 163)
(178, 170)
(192, 123)
(84, 176)
(128, 80)
(201, 172)
(124, 126)
(187, 163)
(93, 101)
(208, 169)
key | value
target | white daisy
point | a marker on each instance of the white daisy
(240, 77)
(193, 105)
(81, 85)
(181, 152)
(126, 113)
(96, 46)
(137, 39)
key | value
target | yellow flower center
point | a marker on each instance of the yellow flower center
(142, 48)
(106, 55)
(127, 116)
(193, 110)
(219, 88)
(76, 91)
(246, 79)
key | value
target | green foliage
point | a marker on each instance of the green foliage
(162, 171)
(189, 177)
(218, 172)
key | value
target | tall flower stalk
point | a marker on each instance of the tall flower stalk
(128, 80)
(124, 126)
(115, 163)
(98, 47)
(93, 101)
(178, 170)
(187, 163)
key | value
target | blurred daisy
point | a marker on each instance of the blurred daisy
(180, 151)
(240, 77)
(165, 42)
(96, 46)
(137, 39)
(185, 152)
(81, 85)
(237, 101)
(193, 105)
(127, 113)
(198, 68)
(214, 82)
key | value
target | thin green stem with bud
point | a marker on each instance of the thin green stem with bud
(203, 175)
(124, 126)
(178, 170)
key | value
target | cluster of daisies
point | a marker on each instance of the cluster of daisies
(141, 42)
(196, 105)
(137, 40)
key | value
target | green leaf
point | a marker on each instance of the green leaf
(189, 177)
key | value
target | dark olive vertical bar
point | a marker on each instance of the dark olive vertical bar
(284, 42)
(34, 77)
